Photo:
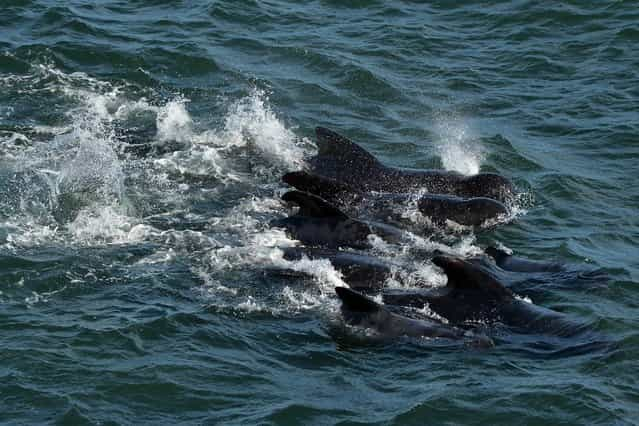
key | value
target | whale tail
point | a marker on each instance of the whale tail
(356, 302)
(313, 206)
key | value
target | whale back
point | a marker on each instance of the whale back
(319, 223)
(356, 302)
(343, 160)
(313, 206)
(327, 188)
(465, 276)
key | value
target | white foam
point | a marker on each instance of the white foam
(174, 122)
(201, 161)
(42, 297)
(304, 300)
(503, 248)
(132, 107)
(524, 299)
(251, 305)
(95, 166)
(428, 312)
(28, 233)
(100, 224)
(81, 165)
(251, 121)
(51, 130)
(14, 137)
(321, 269)
(424, 274)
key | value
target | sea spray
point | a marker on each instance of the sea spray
(460, 151)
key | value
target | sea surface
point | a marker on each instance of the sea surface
(141, 148)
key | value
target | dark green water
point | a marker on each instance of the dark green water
(132, 281)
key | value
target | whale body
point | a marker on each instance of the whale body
(318, 223)
(360, 311)
(439, 208)
(473, 295)
(345, 161)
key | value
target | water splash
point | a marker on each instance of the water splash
(77, 188)
(460, 151)
(252, 121)
(173, 122)
(101, 224)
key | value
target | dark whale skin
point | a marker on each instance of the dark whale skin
(438, 207)
(341, 159)
(474, 295)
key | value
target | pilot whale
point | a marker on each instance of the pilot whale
(360, 311)
(318, 223)
(345, 161)
(474, 295)
(360, 271)
(439, 208)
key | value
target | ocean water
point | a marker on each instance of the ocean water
(141, 149)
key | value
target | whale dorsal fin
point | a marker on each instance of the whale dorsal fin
(334, 145)
(355, 301)
(312, 205)
(463, 275)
